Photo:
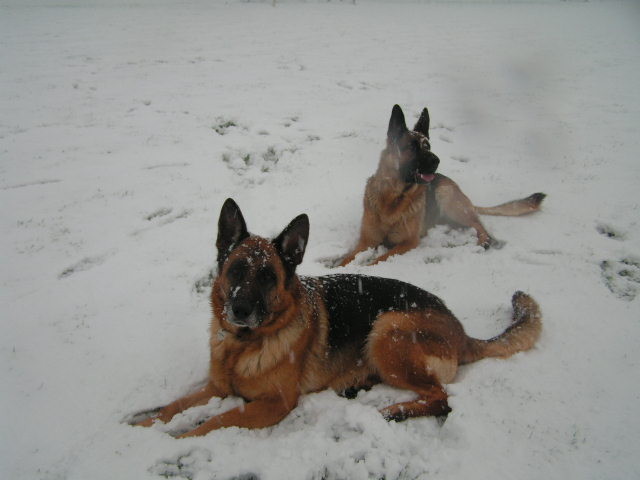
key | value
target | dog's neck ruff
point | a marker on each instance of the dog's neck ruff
(241, 335)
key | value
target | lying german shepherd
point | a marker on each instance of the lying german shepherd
(276, 336)
(405, 197)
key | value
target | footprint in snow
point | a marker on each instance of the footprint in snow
(291, 120)
(194, 463)
(203, 284)
(442, 126)
(253, 167)
(87, 263)
(330, 262)
(348, 134)
(166, 165)
(183, 465)
(622, 277)
(31, 184)
(610, 231)
(162, 216)
(161, 212)
(224, 125)
(344, 84)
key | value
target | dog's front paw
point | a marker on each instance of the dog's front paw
(145, 423)
(146, 418)
(494, 243)
(330, 262)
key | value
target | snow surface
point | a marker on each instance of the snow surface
(123, 127)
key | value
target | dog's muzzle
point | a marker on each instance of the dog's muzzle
(427, 167)
(242, 314)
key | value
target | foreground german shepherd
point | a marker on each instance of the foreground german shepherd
(405, 197)
(276, 336)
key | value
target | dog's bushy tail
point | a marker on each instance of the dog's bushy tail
(521, 335)
(514, 208)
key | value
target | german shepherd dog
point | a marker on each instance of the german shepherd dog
(276, 336)
(406, 197)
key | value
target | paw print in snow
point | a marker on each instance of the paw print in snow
(622, 277)
(253, 167)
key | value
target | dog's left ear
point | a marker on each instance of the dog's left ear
(422, 125)
(292, 243)
(397, 125)
(232, 229)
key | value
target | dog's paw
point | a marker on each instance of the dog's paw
(330, 262)
(493, 243)
(145, 423)
(144, 418)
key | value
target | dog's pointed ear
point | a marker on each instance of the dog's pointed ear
(292, 243)
(232, 229)
(397, 124)
(422, 125)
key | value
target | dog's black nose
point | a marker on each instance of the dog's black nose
(241, 310)
(435, 161)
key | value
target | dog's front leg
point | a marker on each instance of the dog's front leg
(166, 413)
(398, 250)
(361, 247)
(370, 236)
(260, 413)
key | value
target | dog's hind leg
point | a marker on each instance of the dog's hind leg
(456, 208)
(408, 355)
(432, 401)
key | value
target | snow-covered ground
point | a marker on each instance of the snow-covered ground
(124, 127)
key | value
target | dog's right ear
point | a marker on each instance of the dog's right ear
(292, 243)
(232, 229)
(397, 125)
(422, 125)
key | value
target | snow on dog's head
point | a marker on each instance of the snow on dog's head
(254, 273)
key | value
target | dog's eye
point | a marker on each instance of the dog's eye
(237, 271)
(266, 277)
(414, 147)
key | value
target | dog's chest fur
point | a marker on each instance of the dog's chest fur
(245, 367)
(399, 206)
(256, 366)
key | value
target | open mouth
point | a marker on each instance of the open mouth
(426, 177)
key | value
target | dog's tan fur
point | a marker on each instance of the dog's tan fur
(293, 349)
(397, 213)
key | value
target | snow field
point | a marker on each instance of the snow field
(123, 128)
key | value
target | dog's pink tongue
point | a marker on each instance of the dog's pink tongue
(427, 178)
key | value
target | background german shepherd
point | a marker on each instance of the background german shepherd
(405, 197)
(276, 336)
